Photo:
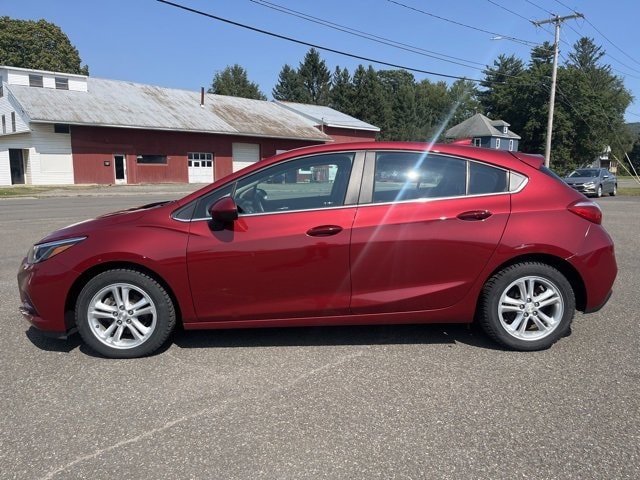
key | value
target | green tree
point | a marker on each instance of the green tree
(40, 45)
(341, 93)
(399, 86)
(501, 84)
(315, 78)
(289, 87)
(597, 105)
(233, 81)
(370, 103)
(433, 107)
(589, 108)
(463, 97)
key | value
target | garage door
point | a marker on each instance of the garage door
(245, 154)
(200, 167)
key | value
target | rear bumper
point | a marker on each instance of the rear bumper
(598, 307)
(598, 268)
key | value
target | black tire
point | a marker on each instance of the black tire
(614, 191)
(119, 327)
(523, 323)
(599, 191)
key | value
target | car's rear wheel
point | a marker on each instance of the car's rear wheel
(527, 306)
(614, 191)
(124, 314)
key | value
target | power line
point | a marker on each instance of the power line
(312, 45)
(508, 10)
(369, 36)
(607, 39)
(506, 37)
(541, 8)
(603, 36)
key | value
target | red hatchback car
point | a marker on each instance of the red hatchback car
(342, 234)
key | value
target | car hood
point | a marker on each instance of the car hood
(85, 227)
(580, 179)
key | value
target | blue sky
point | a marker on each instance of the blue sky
(150, 42)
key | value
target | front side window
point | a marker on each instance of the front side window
(308, 183)
(283, 187)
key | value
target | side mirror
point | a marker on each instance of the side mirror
(224, 210)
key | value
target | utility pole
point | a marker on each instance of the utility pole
(552, 100)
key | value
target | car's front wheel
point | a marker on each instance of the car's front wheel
(614, 191)
(599, 191)
(527, 306)
(124, 314)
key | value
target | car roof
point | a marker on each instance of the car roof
(501, 158)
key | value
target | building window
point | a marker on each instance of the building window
(151, 159)
(62, 83)
(1, 90)
(505, 129)
(61, 128)
(4, 124)
(197, 159)
(35, 81)
(511, 145)
(497, 144)
(13, 121)
(477, 142)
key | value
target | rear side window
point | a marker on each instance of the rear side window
(412, 175)
(486, 179)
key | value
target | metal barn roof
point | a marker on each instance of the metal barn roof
(126, 104)
(320, 115)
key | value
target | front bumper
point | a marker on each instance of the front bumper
(43, 291)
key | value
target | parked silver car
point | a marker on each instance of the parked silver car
(593, 181)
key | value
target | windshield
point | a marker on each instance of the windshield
(585, 172)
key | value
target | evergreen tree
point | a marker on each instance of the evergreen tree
(370, 102)
(589, 107)
(341, 93)
(289, 87)
(315, 78)
(399, 86)
(463, 96)
(38, 45)
(433, 108)
(233, 81)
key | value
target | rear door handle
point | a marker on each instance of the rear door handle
(475, 215)
(324, 231)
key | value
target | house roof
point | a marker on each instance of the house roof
(117, 103)
(480, 126)
(319, 115)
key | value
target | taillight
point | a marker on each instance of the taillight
(587, 209)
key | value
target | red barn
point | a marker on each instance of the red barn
(59, 128)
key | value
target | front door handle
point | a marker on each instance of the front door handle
(475, 215)
(324, 231)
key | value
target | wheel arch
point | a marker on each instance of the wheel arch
(80, 282)
(564, 267)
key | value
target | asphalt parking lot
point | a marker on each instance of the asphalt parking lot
(401, 402)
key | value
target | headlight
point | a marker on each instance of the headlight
(590, 184)
(43, 251)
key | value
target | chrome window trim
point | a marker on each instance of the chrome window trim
(245, 215)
